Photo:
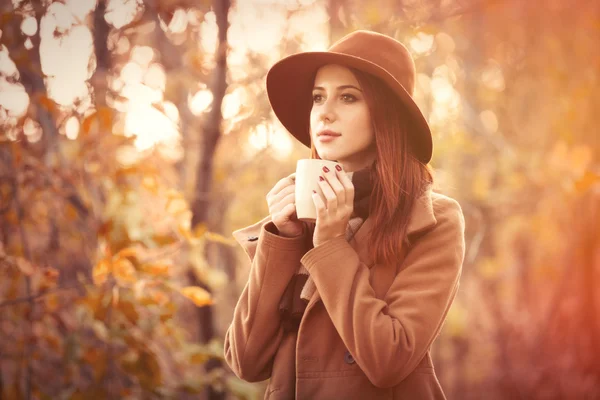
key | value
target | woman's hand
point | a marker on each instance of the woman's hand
(282, 207)
(333, 212)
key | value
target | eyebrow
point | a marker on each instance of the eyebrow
(339, 87)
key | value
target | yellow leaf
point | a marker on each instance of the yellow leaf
(159, 298)
(199, 358)
(149, 182)
(164, 240)
(129, 311)
(124, 271)
(101, 271)
(156, 269)
(199, 296)
(127, 252)
(199, 230)
(586, 181)
(51, 302)
(184, 231)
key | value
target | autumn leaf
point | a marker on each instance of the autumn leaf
(124, 271)
(100, 272)
(127, 252)
(156, 269)
(586, 181)
(199, 296)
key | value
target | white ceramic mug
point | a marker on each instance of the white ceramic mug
(307, 180)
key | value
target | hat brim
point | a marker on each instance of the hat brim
(289, 88)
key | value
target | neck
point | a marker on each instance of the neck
(357, 162)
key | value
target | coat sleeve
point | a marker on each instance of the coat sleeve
(255, 332)
(389, 337)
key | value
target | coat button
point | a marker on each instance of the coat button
(252, 238)
(348, 358)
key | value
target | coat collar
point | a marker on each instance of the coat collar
(422, 218)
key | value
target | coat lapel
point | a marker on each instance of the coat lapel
(422, 217)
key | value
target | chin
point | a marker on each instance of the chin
(327, 155)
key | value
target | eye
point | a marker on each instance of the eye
(317, 98)
(348, 98)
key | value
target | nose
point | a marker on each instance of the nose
(326, 111)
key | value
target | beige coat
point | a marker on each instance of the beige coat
(367, 331)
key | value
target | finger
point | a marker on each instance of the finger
(286, 200)
(287, 213)
(282, 183)
(331, 198)
(286, 191)
(289, 210)
(348, 186)
(336, 185)
(319, 205)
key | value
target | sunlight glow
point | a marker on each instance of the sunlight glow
(138, 93)
(7, 66)
(80, 8)
(256, 26)
(72, 128)
(58, 16)
(179, 21)
(32, 130)
(422, 43)
(66, 80)
(132, 73)
(265, 135)
(14, 99)
(208, 33)
(446, 99)
(200, 101)
(246, 17)
(155, 77)
(445, 43)
(171, 111)
(232, 102)
(492, 76)
(489, 120)
(442, 90)
(29, 26)
(121, 12)
(150, 126)
(142, 55)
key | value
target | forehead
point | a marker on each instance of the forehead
(335, 75)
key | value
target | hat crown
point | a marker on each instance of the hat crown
(382, 50)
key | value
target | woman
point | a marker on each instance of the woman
(348, 307)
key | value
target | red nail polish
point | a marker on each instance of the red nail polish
(321, 178)
(325, 169)
(338, 167)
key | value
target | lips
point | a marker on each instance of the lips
(327, 138)
(328, 133)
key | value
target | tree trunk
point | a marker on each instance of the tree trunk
(211, 133)
(103, 63)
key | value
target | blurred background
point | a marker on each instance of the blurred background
(136, 135)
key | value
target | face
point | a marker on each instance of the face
(339, 106)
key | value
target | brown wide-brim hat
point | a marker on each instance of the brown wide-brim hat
(290, 83)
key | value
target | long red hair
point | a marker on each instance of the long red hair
(398, 178)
